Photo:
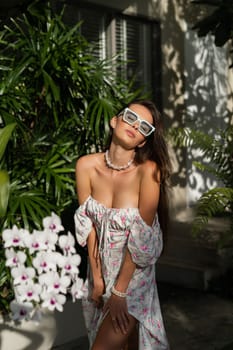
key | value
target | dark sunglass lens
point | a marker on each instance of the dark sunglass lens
(130, 117)
(145, 128)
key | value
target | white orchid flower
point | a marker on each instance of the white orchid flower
(46, 278)
(70, 264)
(50, 239)
(54, 282)
(77, 289)
(66, 243)
(58, 258)
(28, 292)
(45, 261)
(14, 237)
(53, 301)
(35, 241)
(42, 276)
(21, 311)
(14, 258)
(22, 274)
(53, 223)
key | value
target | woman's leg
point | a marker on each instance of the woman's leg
(133, 339)
(108, 339)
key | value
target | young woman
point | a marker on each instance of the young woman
(122, 197)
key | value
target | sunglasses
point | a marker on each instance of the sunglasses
(130, 117)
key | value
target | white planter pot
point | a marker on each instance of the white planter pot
(28, 335)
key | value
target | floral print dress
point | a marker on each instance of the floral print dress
(116, 230)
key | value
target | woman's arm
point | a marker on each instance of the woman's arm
(83, 185)
(126, 273)
(95, 265)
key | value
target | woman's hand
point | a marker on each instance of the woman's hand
(117, 308)
(97, 292)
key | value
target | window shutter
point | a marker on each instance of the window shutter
(92, 29)
(133, 40)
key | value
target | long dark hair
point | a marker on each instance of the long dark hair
(156, 150)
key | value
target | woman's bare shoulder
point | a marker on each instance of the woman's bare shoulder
(150, 168)
(88, 161)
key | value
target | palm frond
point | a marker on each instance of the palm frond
(27, 208)
(217, 159)
(212, 203)
(5, 134)
(216, 149)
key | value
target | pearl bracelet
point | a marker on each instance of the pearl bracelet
(117, 293)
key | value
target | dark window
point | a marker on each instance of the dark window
(133, 39)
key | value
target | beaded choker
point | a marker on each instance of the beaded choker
(116, 167)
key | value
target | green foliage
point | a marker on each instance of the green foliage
(4, 191)
(6, 292)
(5, 134)
(218, 150)
(60, 98)
(218, 23)
(215, 202)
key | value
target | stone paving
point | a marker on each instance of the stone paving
(197, 320)
(194, 320)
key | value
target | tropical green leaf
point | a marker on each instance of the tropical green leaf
(213, 202)
(28, 208)
(5, 134)
(206, 167)
(49, 83)
(216, 160)
(4, 192)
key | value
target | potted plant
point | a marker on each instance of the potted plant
(43, 273)
(43, 266)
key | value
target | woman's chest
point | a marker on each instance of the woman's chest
(116, 190)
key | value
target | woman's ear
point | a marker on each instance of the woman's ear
(113, 122)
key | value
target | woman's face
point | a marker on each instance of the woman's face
(133, 133)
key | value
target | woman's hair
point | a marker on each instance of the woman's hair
(156, 150)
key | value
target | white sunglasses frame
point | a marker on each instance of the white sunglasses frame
(124, 112)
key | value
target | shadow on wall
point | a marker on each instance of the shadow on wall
(195, 90)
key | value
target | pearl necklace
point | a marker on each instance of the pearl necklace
(116, 167)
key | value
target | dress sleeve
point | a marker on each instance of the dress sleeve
(145, 242)
(83, 224)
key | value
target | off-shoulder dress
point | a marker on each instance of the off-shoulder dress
(116, 230)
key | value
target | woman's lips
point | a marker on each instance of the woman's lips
(130, 133)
